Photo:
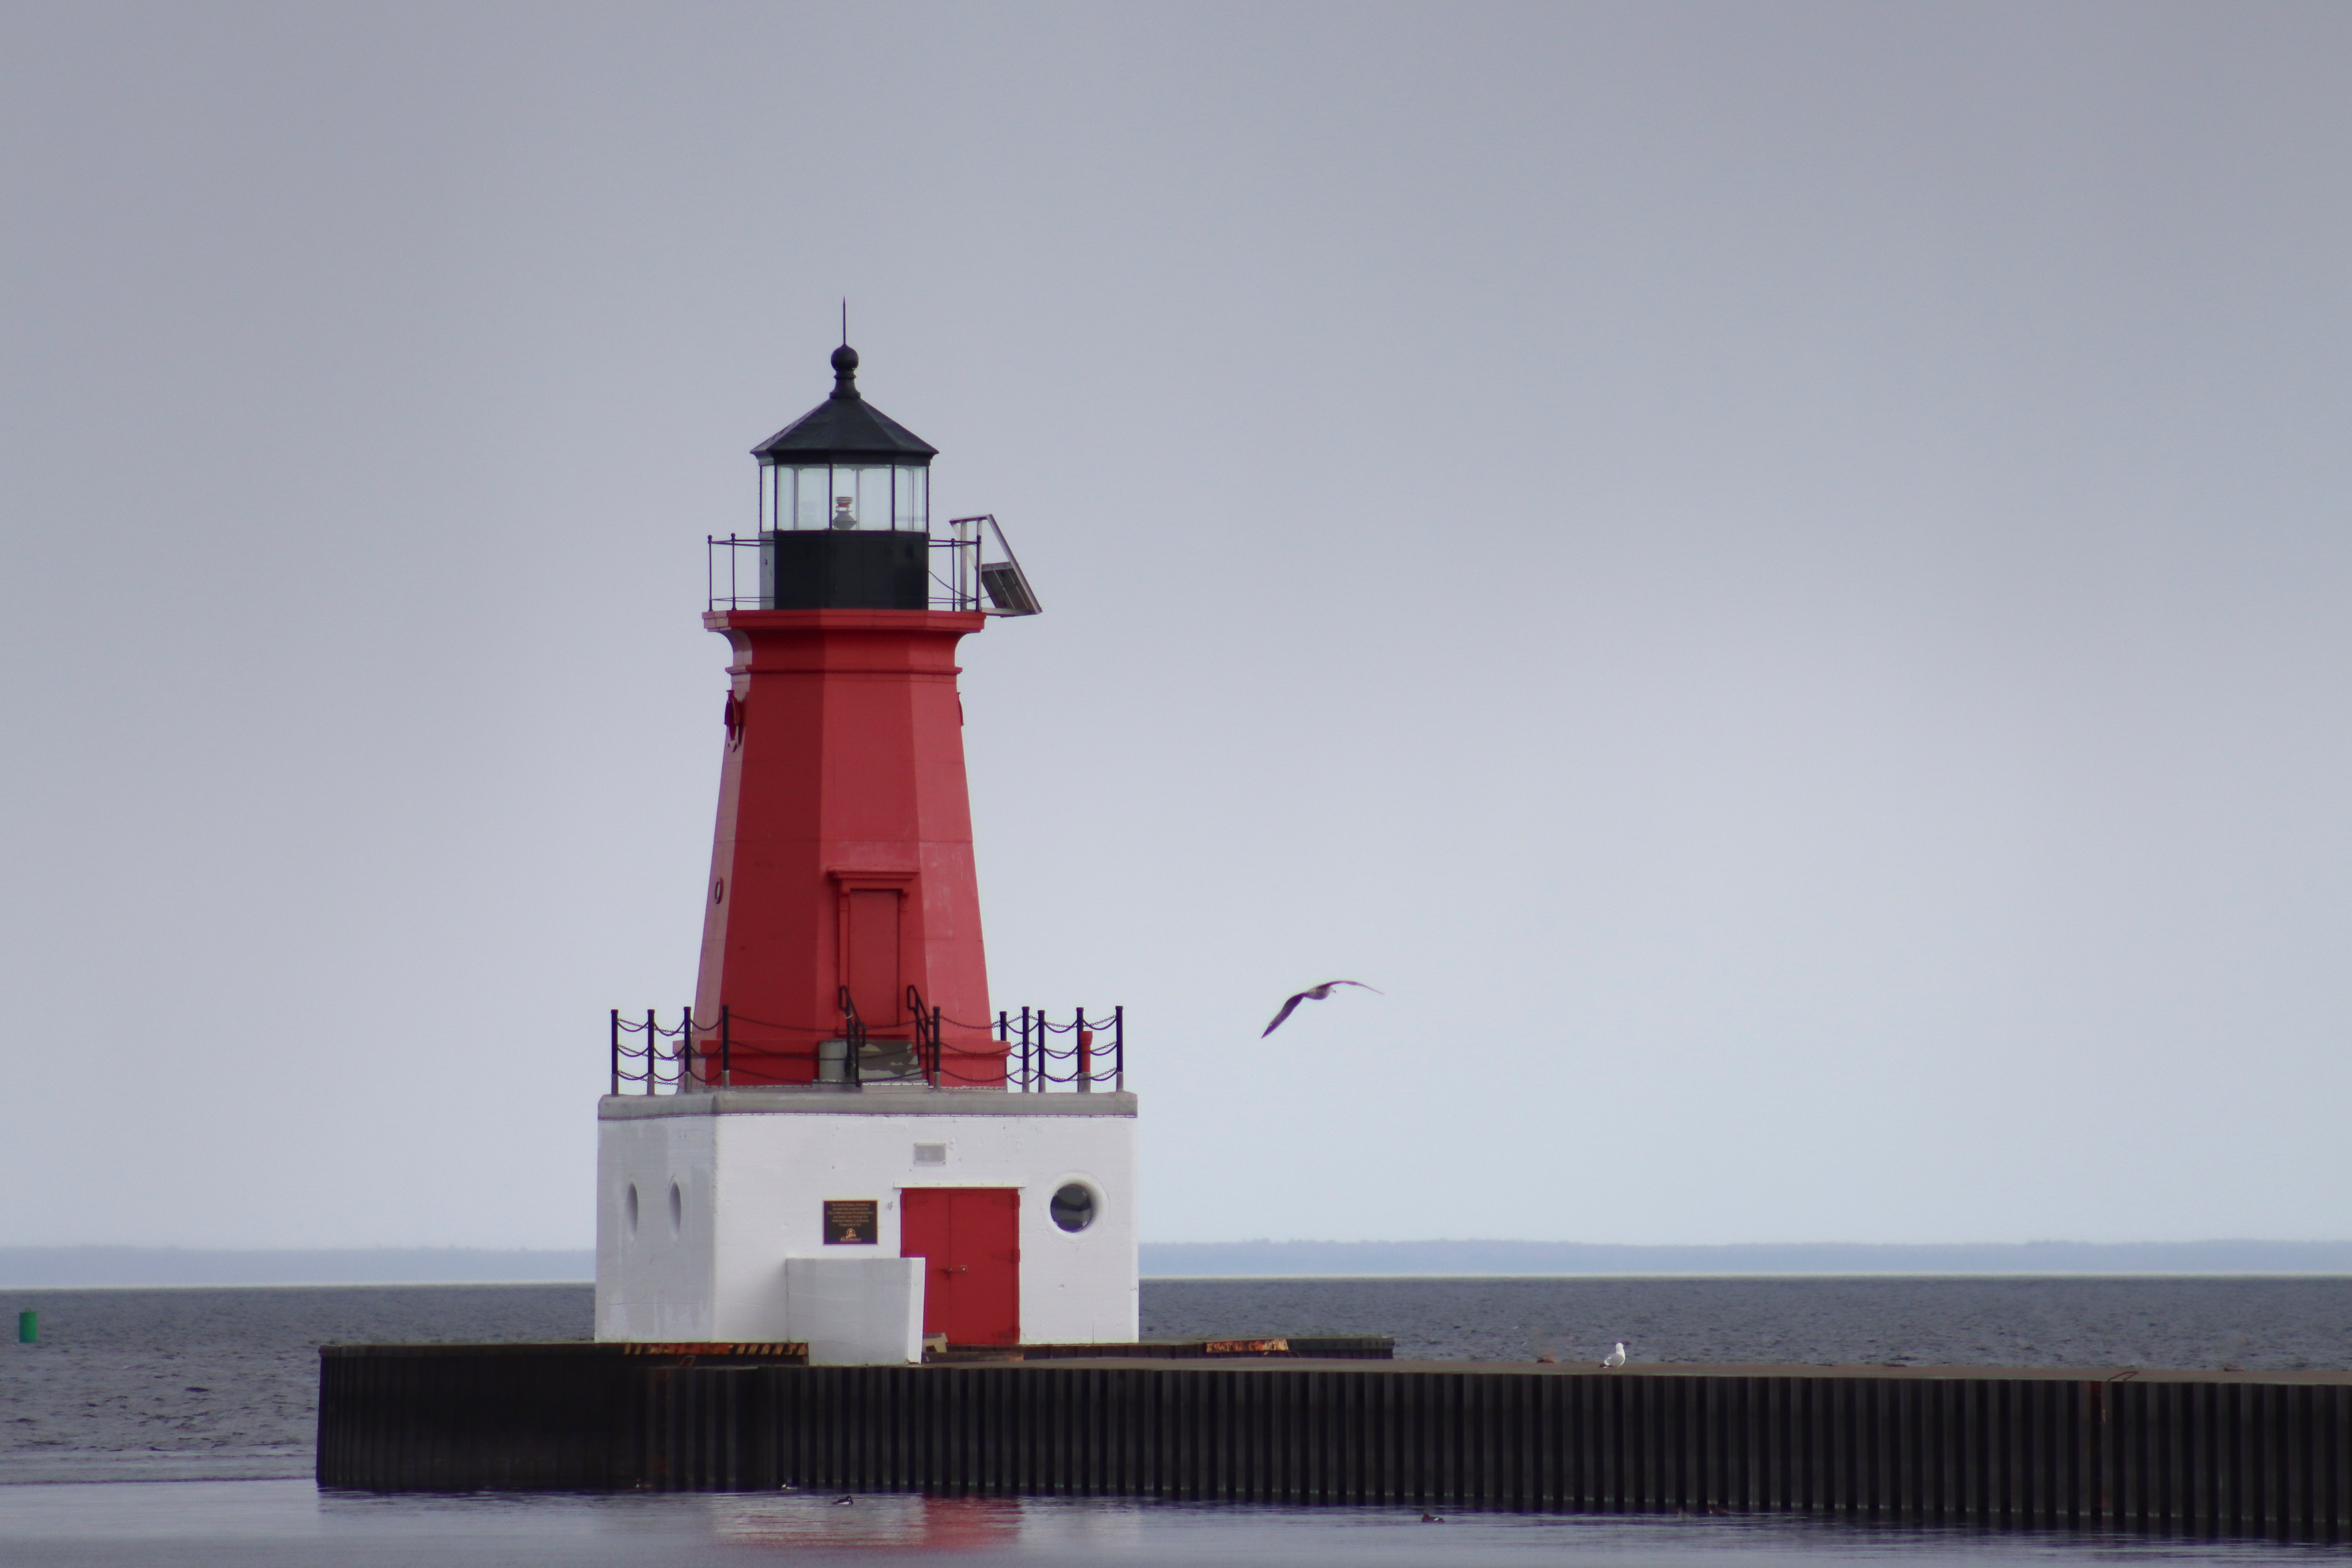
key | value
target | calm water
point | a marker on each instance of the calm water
(262, 1524)
(213, 1392)
(220, 1383)
(2265, 1324)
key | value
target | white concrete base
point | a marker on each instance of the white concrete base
(857, 1311)
(702, 1199)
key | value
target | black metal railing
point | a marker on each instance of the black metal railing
(687, 1062)
(1033, 1033)
(690, 1057)
(927, 1023)
(649, 1075)
(852, 1042)
(971, 568)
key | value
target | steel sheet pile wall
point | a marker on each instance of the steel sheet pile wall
(521, 1418)
(2196, 1456)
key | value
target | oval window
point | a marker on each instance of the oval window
(632, 1207)
(1074, 1206)
(677, 1209)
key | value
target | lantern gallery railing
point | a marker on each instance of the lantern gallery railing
(971, 568)
(692, 1056)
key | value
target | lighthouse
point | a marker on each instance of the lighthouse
(840, 1144)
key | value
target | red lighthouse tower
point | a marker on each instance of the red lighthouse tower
(841, 939)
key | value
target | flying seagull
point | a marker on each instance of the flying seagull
(1316, 994)
(1615, 1357)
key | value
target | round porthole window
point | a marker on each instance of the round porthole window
(630, 1208)
(677, 1209)
(1074, 1206)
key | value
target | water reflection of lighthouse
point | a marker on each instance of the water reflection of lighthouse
(842, 1159)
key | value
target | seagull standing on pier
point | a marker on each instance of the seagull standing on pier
(1615, 1357)
(1316, 994)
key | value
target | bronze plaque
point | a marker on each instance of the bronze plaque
(850, 1222)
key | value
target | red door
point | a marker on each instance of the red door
(873, 966)
(971, 1236)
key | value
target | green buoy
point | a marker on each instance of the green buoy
(28, 1328)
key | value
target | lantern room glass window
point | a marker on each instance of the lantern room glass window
(868, 498)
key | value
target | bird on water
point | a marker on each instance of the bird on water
(1615, 1357)
(1315, 993)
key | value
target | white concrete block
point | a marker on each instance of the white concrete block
(855, 1311)
(728, 1186)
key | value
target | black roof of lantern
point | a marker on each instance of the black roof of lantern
(844, 426)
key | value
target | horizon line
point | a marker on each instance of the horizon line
(1250, 1242)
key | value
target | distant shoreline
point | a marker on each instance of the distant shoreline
(155, 1268)
(1560, 1259)
(165, 1267)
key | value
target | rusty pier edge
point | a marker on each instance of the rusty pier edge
(2174, 1453)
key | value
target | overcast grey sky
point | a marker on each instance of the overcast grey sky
(1775, 574)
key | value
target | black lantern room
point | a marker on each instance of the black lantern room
(844, 506)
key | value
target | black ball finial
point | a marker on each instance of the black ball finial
(845, 371)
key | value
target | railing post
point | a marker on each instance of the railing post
(726, 1065)
(1118, 1049)
(923, 1052)
(852, 1044)
(1025, 1077)
(653, 1053)
(686, 1041)
(616, 1050)
(937, 1049)
(1086, 1058)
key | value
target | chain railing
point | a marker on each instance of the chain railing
(1034, 1034)
(650, 1075)
(689, 1056)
